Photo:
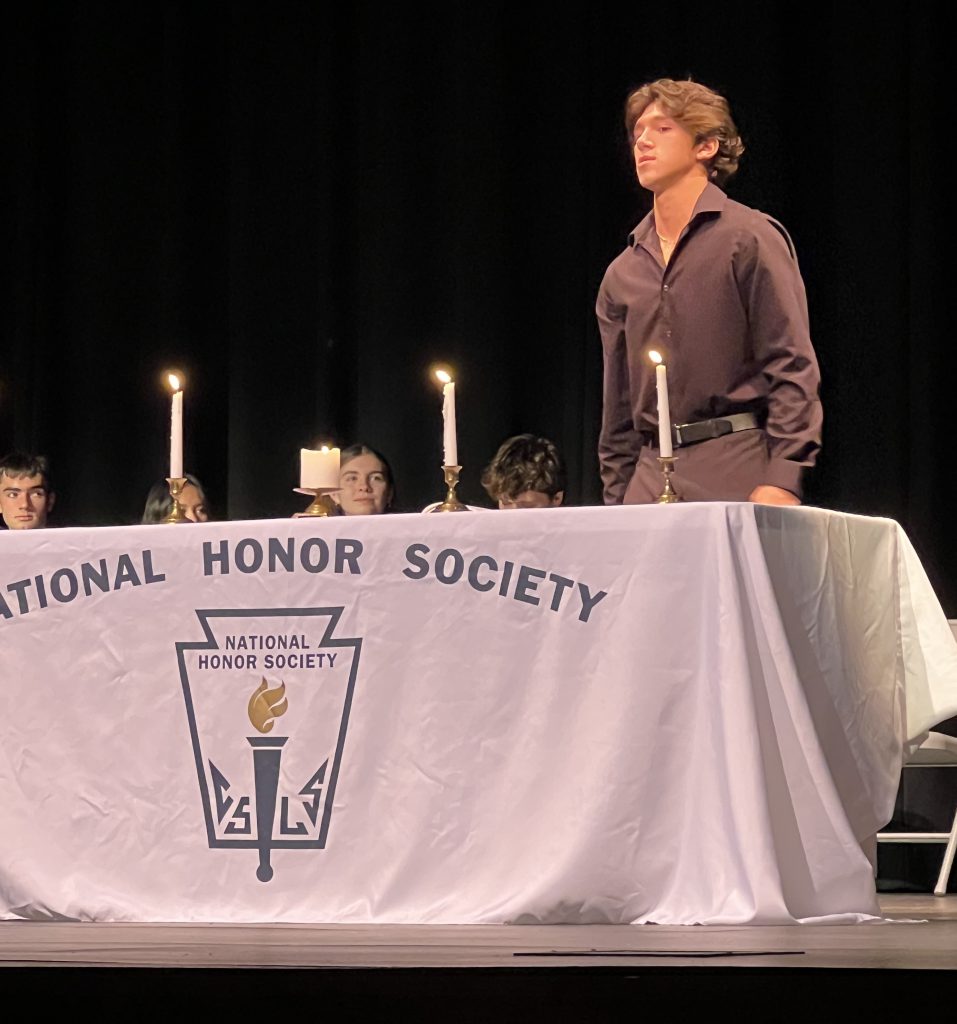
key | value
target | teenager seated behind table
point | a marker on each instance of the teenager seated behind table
(527, 472)
(367, 486)
(26, 493)
(159, 503)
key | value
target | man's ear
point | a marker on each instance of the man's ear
(51, 501)
(708, 149)
(557, 498)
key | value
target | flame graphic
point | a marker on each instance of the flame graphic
(266, 705)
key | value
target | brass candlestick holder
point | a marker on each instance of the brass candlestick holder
(177, 514)
(322, 503)
(669, 494)
(451, 503)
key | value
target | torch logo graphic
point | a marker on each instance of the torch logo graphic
(265, 706)
(270, 807)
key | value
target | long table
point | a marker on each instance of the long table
(684, 714)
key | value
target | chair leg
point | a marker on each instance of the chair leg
(941, 888)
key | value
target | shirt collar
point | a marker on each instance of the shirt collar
(711, 200)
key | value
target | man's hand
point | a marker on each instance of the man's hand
(766, 494)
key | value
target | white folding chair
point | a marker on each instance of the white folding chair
(938, 751)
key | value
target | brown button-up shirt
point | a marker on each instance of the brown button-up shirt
(729, 315)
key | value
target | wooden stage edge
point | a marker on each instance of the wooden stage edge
(920, 933)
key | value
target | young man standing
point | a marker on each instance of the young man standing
(26, 496)
(715, 287)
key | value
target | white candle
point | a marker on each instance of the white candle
(319, 468)
(448, 419)
(451, 454)
(664, 410)
(176, 429)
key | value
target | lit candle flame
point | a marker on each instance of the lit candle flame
(174, 382)
(655, 357)
(443, 376)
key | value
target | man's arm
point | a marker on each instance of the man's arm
(618, 442)
(773, 291)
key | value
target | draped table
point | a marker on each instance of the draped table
(685, 714)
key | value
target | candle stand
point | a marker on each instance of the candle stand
(177, 514)
(669, 495)
(322, 503)
(451, 503)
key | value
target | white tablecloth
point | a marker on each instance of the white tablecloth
(688, 714)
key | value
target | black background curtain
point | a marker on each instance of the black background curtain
(304, 205)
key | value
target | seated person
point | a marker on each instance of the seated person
(159, 502)
(27, 496)
(527, 472)
(366, 482)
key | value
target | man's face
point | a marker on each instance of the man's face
(25, 502)
(532, 499)
(666, 152)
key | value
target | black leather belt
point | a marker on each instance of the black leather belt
(684, 434)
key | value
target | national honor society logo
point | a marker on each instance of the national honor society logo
(268, 695)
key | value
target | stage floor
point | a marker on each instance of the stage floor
(921, 935)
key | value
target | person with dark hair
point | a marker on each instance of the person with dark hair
(367, 486)
(159, 502)
(713, 286)
(526, 472)
(27, 496)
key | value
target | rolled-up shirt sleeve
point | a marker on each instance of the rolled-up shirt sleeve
(773, 292)
(619, 442)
